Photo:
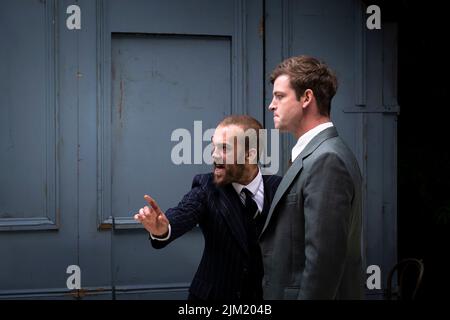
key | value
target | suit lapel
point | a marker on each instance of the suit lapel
(296, 168)
(229, 206)
(269, 191)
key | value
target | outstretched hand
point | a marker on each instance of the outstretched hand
(152, 218)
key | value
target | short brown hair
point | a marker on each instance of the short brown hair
(306, 72)
(245, 122)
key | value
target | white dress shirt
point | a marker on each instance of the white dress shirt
(256, 187)
(307, 137)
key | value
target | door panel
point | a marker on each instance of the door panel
(161, 84)
(37, 231)
(27, 121)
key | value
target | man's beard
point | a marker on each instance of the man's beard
(227, 173)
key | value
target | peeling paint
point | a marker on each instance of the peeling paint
(105, 226)
(261, 27)
(121, 99)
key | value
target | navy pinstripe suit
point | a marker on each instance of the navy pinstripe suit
(218, 211)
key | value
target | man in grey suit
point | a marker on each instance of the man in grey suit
(311, 241)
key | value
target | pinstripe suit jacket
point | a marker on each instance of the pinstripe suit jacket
(217, 210)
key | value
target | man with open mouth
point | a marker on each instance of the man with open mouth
(230, 205)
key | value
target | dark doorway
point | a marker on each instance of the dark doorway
(423, 147)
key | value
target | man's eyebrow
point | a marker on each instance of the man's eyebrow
(221, 143)
(212, 140)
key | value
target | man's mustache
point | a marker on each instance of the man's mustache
(219, 165)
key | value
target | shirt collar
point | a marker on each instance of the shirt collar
(253, 186)
(307, 137)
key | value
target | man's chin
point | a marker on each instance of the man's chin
(278, 125)
(219, 180)
(219, 183)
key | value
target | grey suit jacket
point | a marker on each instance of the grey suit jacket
(311, 242)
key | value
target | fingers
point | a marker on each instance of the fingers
(151, 216)
(163, 219)
(153, 204)
(139, 216)
(146, 214)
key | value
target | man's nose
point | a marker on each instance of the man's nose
(216, 156)
(272, 105)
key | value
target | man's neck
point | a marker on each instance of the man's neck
(250, 173)
(310, 124)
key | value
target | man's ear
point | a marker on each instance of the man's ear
(252, 156)
(307, 97)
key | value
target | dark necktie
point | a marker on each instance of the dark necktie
(252, 222)
(250, 204)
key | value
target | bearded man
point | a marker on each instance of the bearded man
(230, 205)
